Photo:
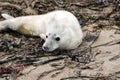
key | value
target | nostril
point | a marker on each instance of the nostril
(45, 48)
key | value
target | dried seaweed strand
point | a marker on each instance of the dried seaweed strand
(10, 5)
(48, 72)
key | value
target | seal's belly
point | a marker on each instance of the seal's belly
(28, 27)
(27, 30)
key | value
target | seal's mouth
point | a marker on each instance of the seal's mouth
(48, 49)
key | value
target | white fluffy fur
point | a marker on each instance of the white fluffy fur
(54, 24)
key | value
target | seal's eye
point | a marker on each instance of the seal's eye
(46, 36)
(57, 38)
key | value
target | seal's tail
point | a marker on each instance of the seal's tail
(4, 24)
(6, 16)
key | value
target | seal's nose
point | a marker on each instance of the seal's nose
(46, 48)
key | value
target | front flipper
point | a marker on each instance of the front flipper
(43, 36)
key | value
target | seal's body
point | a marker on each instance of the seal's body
(59, 29)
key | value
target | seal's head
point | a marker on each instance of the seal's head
(52, 42)
(55, 40)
